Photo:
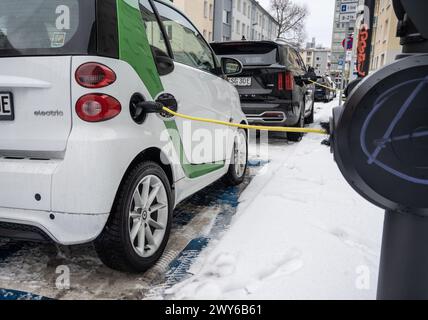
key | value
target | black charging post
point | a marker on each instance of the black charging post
(380, 143)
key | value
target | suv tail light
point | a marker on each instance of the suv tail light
(285, 81)
(289, 81)
(97, 107)
(280, 81)
(95, 75)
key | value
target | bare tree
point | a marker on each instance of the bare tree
(291, 18)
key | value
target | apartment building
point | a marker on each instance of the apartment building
(317, 57)
(385, 44)
(223, 20)
(201, 12)
(345, 17)
(243, 19)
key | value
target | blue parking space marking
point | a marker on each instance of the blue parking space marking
(216, 195)
(19, 295)
(178, 269)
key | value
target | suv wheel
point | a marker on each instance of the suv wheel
(297, 136)
(311, 118)
(239, 162)
(138, 229)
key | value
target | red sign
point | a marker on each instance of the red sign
(362, 50)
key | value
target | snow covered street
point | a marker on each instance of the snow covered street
(294, 230)
(300, 232)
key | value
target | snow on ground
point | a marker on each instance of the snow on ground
(300, 233)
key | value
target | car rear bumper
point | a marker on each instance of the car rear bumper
(275, 113)
(62, 228)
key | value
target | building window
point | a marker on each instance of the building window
(211, 12)
(206, 9)
(226, 17)
(385, 31)
(238, 26)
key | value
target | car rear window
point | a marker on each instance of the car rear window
(249, 53)
(44, 27)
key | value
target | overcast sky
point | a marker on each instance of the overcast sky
(319, 24)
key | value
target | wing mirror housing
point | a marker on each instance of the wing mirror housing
(231, 67)
(164, 63)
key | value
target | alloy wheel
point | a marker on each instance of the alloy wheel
(148, 216)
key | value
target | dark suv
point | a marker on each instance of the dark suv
(274, 86)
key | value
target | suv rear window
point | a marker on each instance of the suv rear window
(250, 54)
(44, 27)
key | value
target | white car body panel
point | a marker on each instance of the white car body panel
(201, 99)
(84, 163)
(37, 84)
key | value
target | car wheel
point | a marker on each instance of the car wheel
(297, 136)
(239, 162)
(139, 225)
(311, 118)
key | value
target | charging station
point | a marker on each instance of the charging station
(380, 143)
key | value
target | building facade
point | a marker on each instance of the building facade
(222, 20)
(385, 44)
(243, 19)
(201, 12)
(317, 57)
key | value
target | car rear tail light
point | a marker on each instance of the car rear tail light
(95, 75)
(289, 81)
(280, 81)
(97, 107)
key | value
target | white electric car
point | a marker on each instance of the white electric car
(82, 156)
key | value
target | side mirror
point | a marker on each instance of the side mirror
(231, 67)
(310, 76)
(164, 63)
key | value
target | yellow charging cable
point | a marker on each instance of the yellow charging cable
(251, 127)
(321, 85)
(245, 126)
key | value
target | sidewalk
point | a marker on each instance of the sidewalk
(300, 233)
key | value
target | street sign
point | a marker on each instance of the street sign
(349, 8)
(348, 17)
(350, 43)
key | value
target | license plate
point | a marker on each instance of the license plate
(6, 107)
(240, 82)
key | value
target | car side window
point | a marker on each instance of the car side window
(153, 30)
(292, 59)
(301, 63)
(187, 44)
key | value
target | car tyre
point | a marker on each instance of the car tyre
(311, 118)
(297, 136)
(139, 225)
(239, 161)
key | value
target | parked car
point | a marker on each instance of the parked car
(274, 86)
(323, 91)
(81, 159)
